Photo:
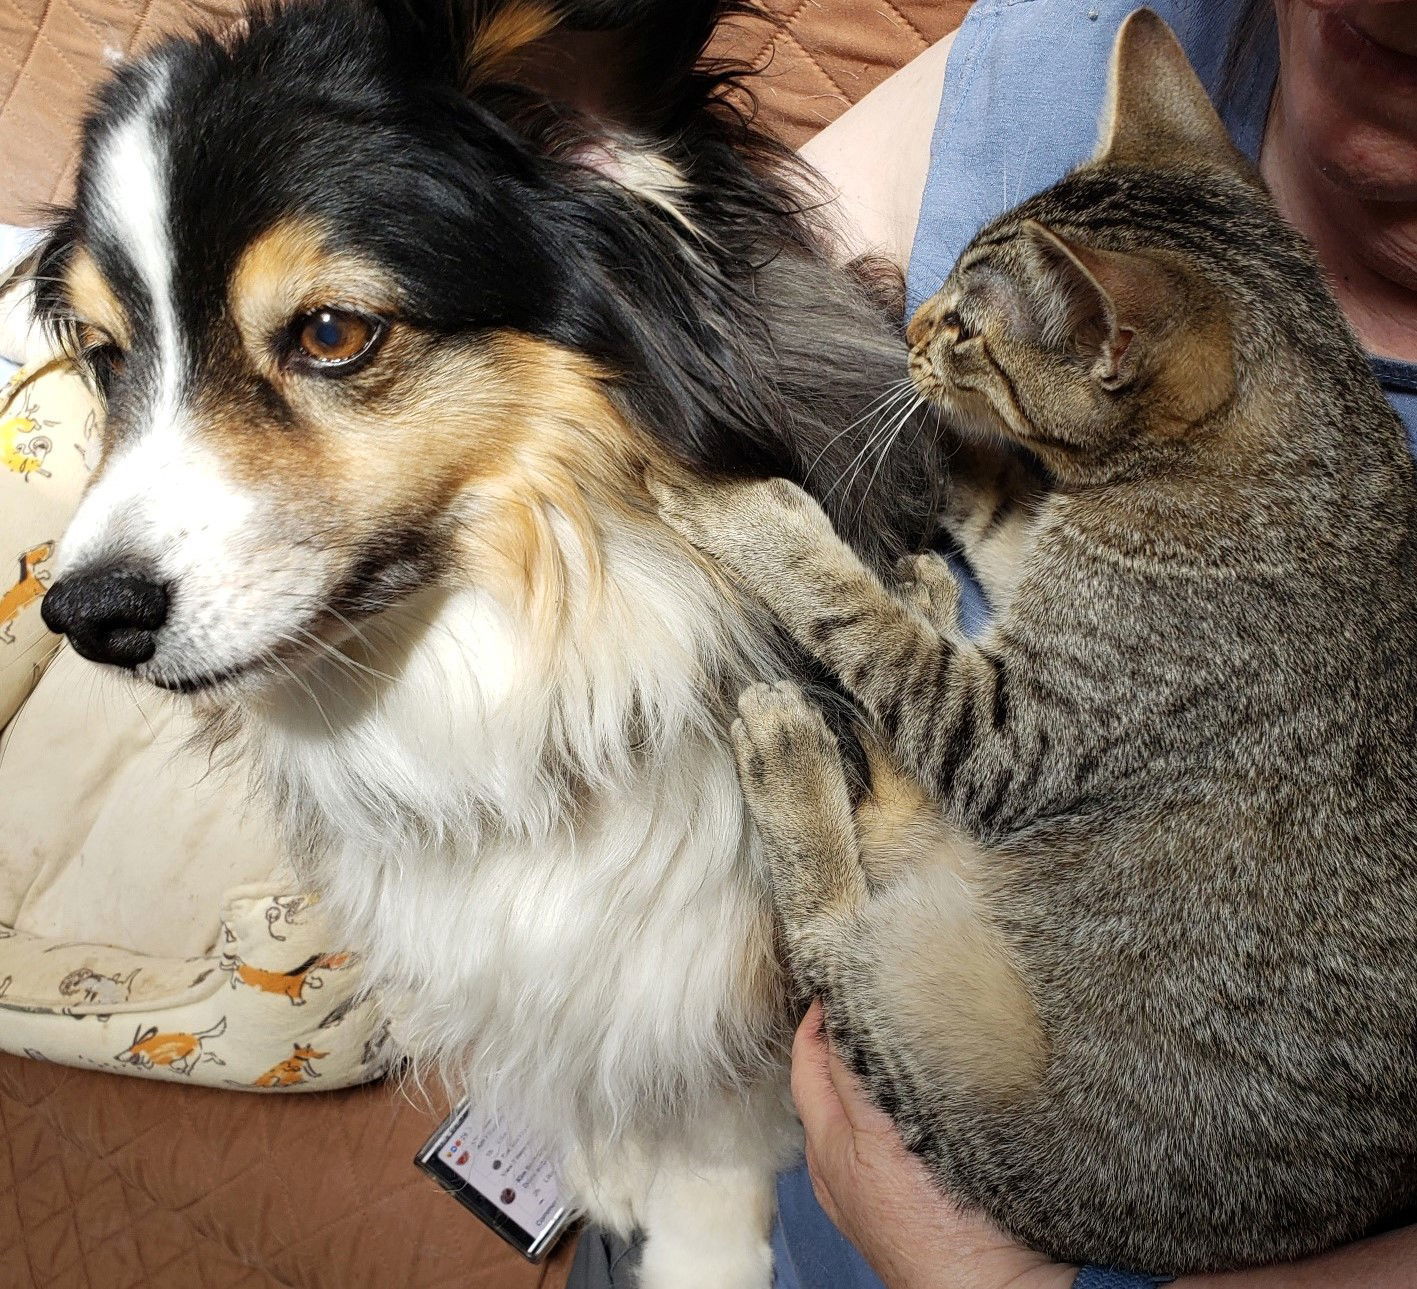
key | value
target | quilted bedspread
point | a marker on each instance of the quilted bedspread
(112, 1183)
(818, 57)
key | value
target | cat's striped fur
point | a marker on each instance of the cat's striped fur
(1146, 989)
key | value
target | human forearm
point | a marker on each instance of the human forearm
(875, 158)
(1385, 1262)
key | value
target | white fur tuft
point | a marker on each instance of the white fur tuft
(541, 845)
(646, 174)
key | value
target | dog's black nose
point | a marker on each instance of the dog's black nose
(108, 614)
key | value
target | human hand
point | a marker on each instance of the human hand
(881, 1197)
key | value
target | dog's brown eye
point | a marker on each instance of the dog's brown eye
(334, 340)
(104, 359)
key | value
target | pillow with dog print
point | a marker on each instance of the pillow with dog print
(247, 1016)
(147, 924)
(47, 422)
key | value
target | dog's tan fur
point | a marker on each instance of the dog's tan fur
(503, 36)
(291, 268)
(94, 300)
(530, 424)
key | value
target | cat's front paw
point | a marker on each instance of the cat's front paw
(790, 766)
(787, 757)
(737, 521)
(928, 586)
(690, 508)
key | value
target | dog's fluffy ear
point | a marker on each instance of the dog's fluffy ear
(625, 60)
(465, 43)
(655, 44)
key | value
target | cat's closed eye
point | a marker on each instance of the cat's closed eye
(953, 329)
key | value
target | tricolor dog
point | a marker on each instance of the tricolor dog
(392, 305)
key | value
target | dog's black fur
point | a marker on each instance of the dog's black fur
(728, 333)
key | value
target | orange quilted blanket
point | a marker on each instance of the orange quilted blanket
(818, 57)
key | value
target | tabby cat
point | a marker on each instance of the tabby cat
(1138, 976)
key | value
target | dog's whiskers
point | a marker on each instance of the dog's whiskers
(272, 656)
(338, 655)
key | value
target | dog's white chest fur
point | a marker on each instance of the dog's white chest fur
(539, 846)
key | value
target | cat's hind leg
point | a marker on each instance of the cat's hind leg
(790, 767)
(882, 915)
(929, 1004)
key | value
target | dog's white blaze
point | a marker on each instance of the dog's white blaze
(161, 499)
(132, 202)
(132, 187)
(164, 499)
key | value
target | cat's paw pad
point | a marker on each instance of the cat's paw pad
(779, 737)
(927, 585)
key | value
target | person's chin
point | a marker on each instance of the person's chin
(1353, 94)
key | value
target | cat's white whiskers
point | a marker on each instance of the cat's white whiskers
(911, 408)
(879, 407)
(854, 466)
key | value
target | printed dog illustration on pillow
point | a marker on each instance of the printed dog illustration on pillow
(26, 591)
(96, 988)
(23, 444)
(178, 1051)
(296, 1068)
(289, 984)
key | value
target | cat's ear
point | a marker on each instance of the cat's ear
(1097, 300)
(1074, 310)
(1156, 104)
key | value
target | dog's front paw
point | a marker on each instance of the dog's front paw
(739, 1264)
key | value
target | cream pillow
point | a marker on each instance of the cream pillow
(148, 924)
